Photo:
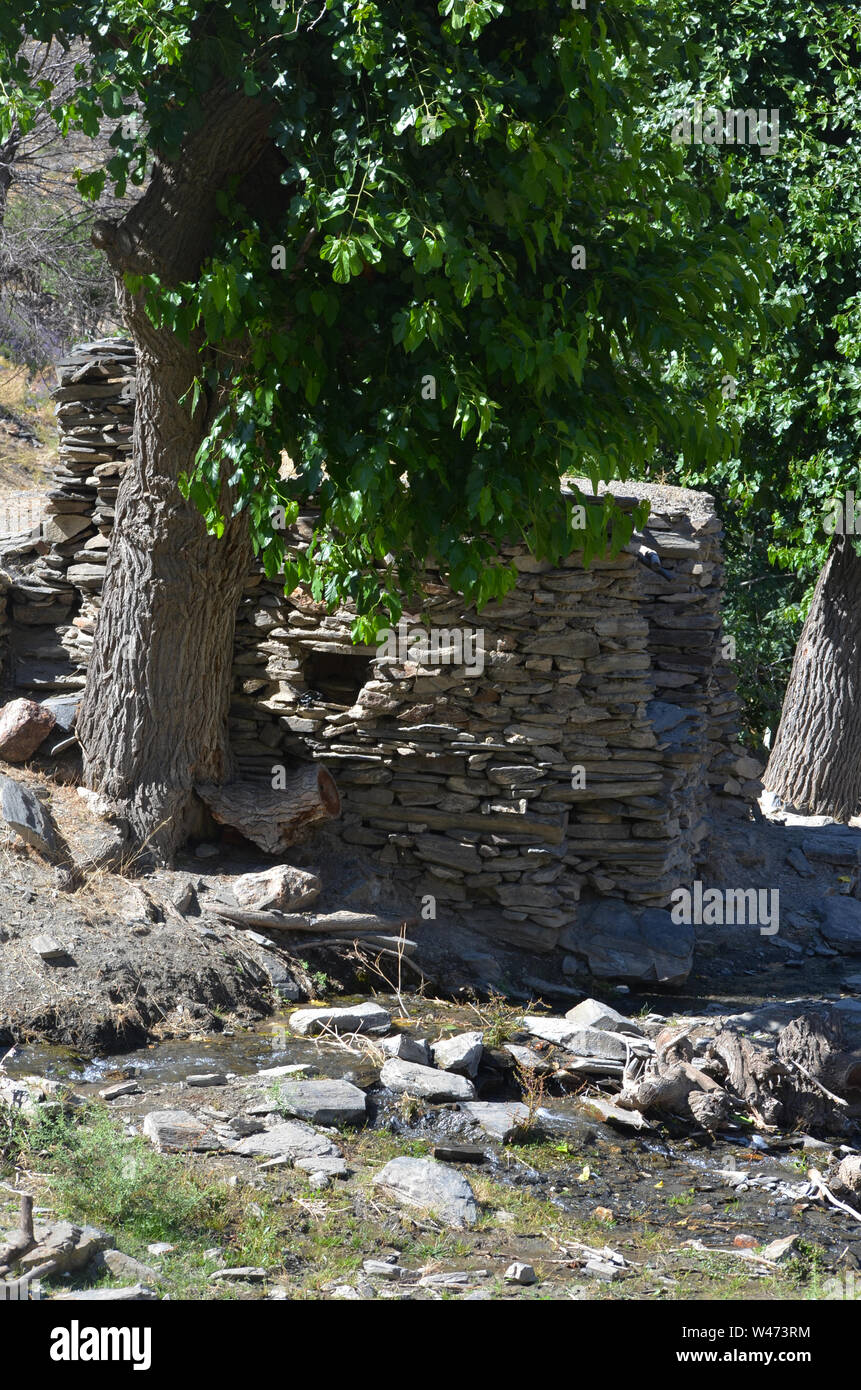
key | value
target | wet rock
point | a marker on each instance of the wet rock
(282, 888)
(178, 1131)
(840, 923)
(518, 1273)
(360, 1018)
(26, 815)
(459, 1153)
(647, 949)
(207, 1078)
(425, 1083)
(502, 1120)
(407, 1049)
(298, 1142)
(591, 1013)
(24, 725)
(428, 1186)
(323, 1102)
(615, 1114)
(461, 1053)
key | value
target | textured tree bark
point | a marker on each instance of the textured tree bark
(815, 764)
(154, 717)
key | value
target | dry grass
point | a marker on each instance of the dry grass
(24, 467)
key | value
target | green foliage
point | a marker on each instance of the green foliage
(401, 314)
(797, 409)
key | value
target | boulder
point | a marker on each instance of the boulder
(840, 923)
(461, 1053)
(360, 1018)
(428, 1186)
(646, 949)
(322, 1102)
(24, 725)
(425, 1083)
(591, 1013)
(282, 888)
(407, 1049)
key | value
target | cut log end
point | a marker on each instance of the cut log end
(274, 818)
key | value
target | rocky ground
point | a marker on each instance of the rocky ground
(186, 1136)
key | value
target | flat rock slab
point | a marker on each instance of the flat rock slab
(833, 844)
(322, 1102)
(178, 1131)
(528, 1059)
(586, 1042)
(462, 1053)
(123, 1266)
(840, 923)
(361, 1018)
(70, 1247)
(502, 1120)
(428, 1186)
(614, 1114)
(24, 725)
(25, 814)
(425, 1083)
(647, 949)
(306, 1149)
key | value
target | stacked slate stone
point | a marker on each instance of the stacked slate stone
(571, 758)
(5, 629)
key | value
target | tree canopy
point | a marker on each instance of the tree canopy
(472, 262)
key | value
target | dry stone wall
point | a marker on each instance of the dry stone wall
(571, 756)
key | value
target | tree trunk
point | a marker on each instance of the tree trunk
(815, 764)
(154, 716)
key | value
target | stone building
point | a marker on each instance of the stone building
(559, 748)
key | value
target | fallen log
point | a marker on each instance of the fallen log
(274, 819)
(342, 923)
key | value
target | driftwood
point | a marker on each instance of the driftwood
(19, 1242)
(754, 1075)
(826, 1075)
(342, 923)
(272, 819)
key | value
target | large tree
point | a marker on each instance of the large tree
(440, 255)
